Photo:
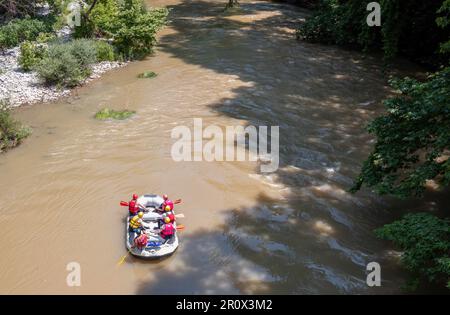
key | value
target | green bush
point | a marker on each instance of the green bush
(45, 37)
(425, 240)
(30, 55)
(103, 16)
(128, 23)
(107, 113)
(12, 132)
(105, 52)
(69, 63)
(133, 28)
(84, 50)
(17, 31)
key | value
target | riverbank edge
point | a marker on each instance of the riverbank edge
(19, 88)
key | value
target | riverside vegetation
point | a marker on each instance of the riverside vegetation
(110, 31)
(12, 132)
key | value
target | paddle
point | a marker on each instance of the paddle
(180, 227)
(122, 260)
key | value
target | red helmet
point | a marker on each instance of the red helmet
(135, 197)
(172, 217)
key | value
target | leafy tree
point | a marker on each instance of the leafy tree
(128, 23)
(413, 139)
(343, 22)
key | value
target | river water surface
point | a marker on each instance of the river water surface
(296, 230)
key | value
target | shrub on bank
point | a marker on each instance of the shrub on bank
(30, 55)
(134, 28)
(67, 64)
(12, 132)
(104, 51)
(130, 25)
(19, 30)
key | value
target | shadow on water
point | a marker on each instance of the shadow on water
(317, 238)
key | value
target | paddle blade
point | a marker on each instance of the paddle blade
(180, 215)
(180, 227)
(124, 204)
(122, 260)
(177, 201)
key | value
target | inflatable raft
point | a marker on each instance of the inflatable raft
(156, 246)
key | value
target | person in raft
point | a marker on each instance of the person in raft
(137, 224)
(134, 207)
(140, 241)
(169, 214)
(168, 202)
(165, 232)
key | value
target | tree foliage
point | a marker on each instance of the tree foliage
(19, 30)
(413, 138)
(128, 23)
(343, 22)
(31, 54)
(425, 240)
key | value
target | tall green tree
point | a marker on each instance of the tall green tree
(412, 139)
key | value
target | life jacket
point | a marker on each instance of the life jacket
(169, 215)
(132, 207)
(168, 230)
(167, 203)
(141, 241)
(135, 222)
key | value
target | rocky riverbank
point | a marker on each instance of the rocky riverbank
(18, 87)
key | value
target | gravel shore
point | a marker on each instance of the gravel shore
(19, 88)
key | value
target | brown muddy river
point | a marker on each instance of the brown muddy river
(296, 230)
